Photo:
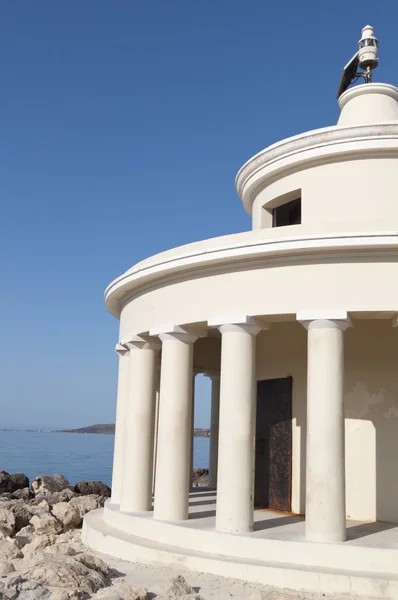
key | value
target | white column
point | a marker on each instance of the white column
(235, 489)
(325, 469)
(140, 425)
(214, 425)
(174, 429)
(121, 407)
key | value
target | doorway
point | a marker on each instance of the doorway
(273, 461)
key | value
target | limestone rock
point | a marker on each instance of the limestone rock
(39, 542)
(9, 548)
(66, 544)
(46, 523)
(6, 496)
(96, 564)
(44, 484)
(6, 568)
(258, 595)
(23, 494)
(109, 594)
(136, 594)
(125, 593)
(25, 535)
(66, 573)
(20, 510)
(68, 514)
(60, 594)
(192, 596)
(86, 503)
(31, 590)
(53, 498)
(7, 521)
(19, 481)
(179, 587)
(5, 482)
(200, 478)
(93, 487)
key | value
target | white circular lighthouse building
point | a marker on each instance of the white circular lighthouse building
(294, 322)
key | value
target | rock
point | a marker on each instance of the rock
(200, 478)
(86, 503)
(5, 482)
(7, 521)
(11, 586)
(96, 564)
(192, 596)
(9, 548)
(45, 523)
(93, 487)
(109, 594)
(136, 594)
(59, 594)
(6, 496)
(66, 544)
(21, 512)
(31, 590)
(38, 543)
(66, 573)
(53, 498)
(125, 593)
(68, 514)
(19, 481)
(23, 494)
(6, 568)
(179, 587)
(44, 484)
(25, 535)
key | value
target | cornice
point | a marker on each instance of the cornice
(229, 256)
(312, 147)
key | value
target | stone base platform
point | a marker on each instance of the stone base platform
(275, 553)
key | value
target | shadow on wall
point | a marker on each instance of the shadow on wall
(371, 408)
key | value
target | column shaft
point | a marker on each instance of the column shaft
(139, 430)
(121, 410)
(236, 431)
(174, 430)
(325, 484)
(214, 425)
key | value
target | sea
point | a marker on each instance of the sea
(77, 456)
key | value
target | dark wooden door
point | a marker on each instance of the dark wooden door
(273, 473)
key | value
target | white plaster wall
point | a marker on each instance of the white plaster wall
(371, 405)
(353, 193)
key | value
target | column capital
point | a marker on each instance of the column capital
(188, 334)
(332, 319)
(142, 342)
(238, 323)
(121, 349)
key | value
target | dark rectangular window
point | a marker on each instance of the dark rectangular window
(287, 214)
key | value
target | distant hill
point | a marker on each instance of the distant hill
(110, 428)
(107, 428)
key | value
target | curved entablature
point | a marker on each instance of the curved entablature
(314, 148)
(236, 251)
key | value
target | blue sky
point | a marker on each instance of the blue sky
(123, 124)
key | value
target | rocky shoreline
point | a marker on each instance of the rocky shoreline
(42, 556)
(41, 553)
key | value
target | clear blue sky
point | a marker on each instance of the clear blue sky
(114, 111)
